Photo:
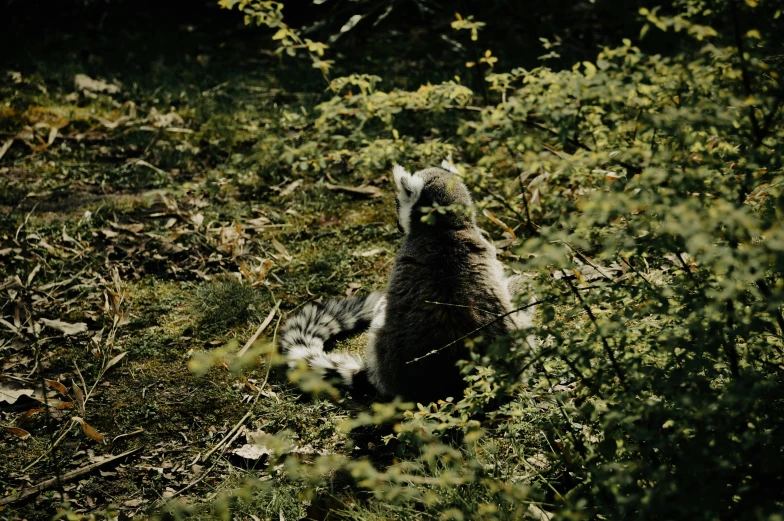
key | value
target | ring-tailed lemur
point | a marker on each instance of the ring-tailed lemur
(446, 282)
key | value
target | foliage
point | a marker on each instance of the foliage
(646, 189)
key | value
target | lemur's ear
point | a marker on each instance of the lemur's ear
(401, 179)
(408, 186)
(447, 165)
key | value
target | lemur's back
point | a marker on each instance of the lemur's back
(443, 287)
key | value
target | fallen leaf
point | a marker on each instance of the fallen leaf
(16, 431)
(79, 396)
(5, 147)
(369, 253)
(372, 191)
(495, 220)
(90, 431)
(290, 188)
(86, 83)
(133, 228)
(25, 416)
(11, 395)
(252, 451)
(111, 302)
(66, 328)
(57, 386)
(31, 276)
(116, 359)
(111, 125)
(281, 249)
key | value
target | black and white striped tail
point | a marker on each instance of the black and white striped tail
(306, 332)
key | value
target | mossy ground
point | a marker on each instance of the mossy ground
(163, 195)
(185, 210)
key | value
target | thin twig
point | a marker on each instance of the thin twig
(24, 223)
(685, 266)
(587, 261)
(767, 124)
(51, 447)
(237, 426)
(607, 350)
(635, 270)
(53, 457)
(460, 306)
(496, 319)
(201, 476)
(745, 74)
(235, 429)
(529, 223)
(27, 492)
(503, 201)
(258, 332)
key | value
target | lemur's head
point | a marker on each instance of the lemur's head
(440, 190)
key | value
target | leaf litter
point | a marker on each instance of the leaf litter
(95, 299)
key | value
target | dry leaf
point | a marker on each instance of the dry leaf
(251, 386)
(66, 328)
(133, 228)
(116, 359)
(254, 450)
(372, 191)
(535, 200)
(85, 83)
(495, 220)
(251, 452)
(257, 223)
(111, 302)
(79, 396)
(31, 276)
(25, 416)
(369, 253)
(90, 431)
(16, 431)
(57, 386)
(197, 219)
(281, 249)
(11, 395)
(290, 188)
(5, 147)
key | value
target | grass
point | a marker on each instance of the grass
(179, 225)
(186, 226)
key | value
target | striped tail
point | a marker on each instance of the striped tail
(305, 334)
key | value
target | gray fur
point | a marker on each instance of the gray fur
(446, 282)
